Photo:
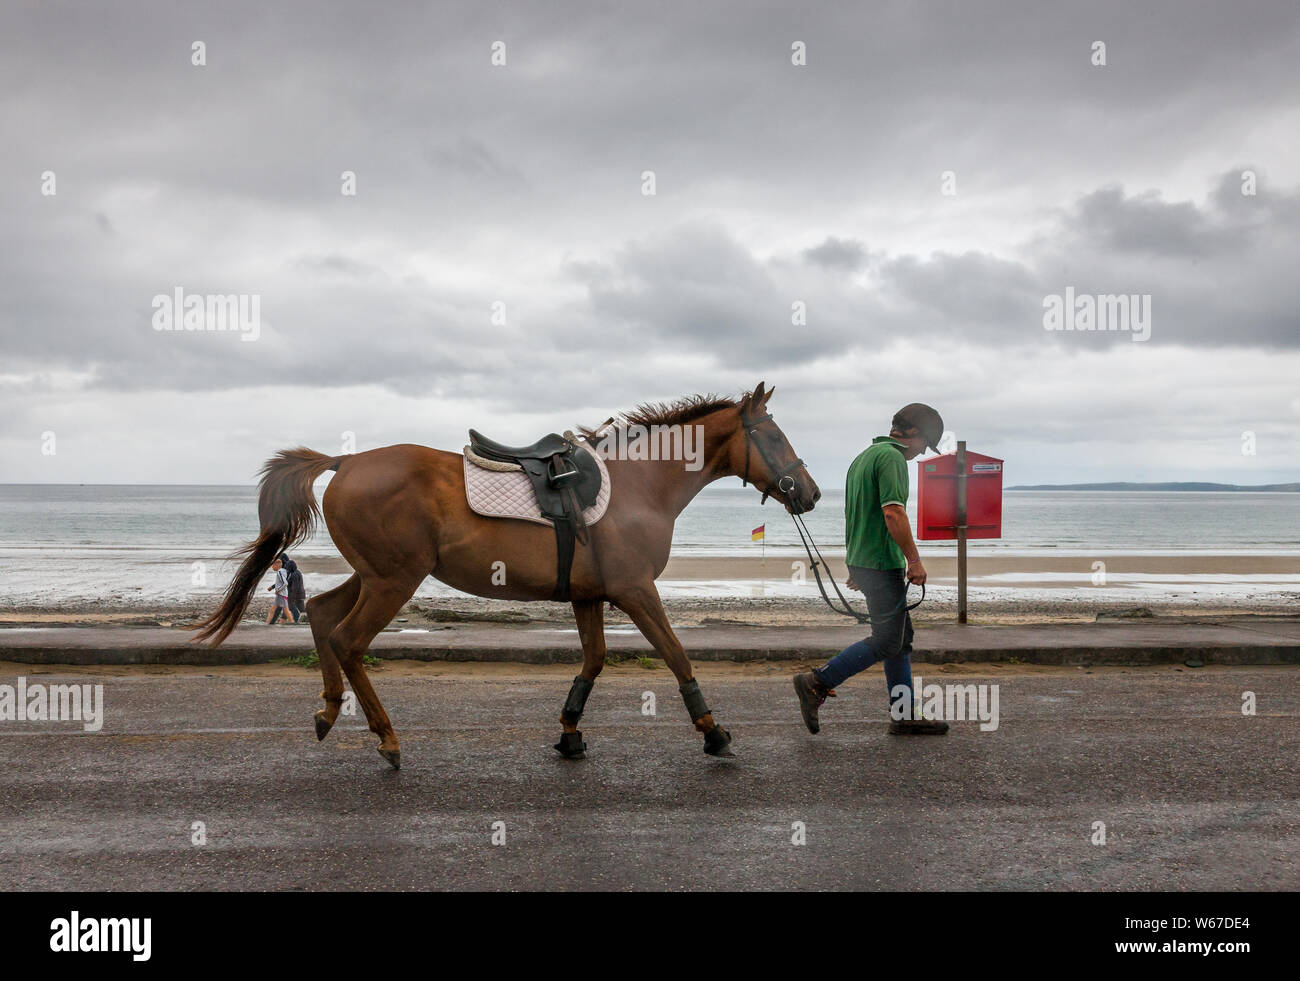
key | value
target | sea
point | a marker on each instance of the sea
(145, 543)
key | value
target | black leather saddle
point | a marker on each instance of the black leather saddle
(545, 447)
(566, 481)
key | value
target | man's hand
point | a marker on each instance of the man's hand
(901, 532)
(916, 571)
(851, 584)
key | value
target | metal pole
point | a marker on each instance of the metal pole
(961, 531)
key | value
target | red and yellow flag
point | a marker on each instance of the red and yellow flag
(758, 534)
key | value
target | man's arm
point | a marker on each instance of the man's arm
(901, 532)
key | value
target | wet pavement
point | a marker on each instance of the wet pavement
(1193, 794)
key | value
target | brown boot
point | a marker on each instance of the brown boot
(811, 694)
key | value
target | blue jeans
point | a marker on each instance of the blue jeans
(891, 634)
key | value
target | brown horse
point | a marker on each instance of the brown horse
(400, 513)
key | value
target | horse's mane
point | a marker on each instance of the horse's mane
(678, 412)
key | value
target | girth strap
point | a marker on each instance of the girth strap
(563, 560)
(569, 527)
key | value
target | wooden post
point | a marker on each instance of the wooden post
(961, 531)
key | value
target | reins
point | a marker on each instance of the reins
(784, 481)
(810, 546)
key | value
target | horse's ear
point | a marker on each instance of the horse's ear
(756, 396)
(768, 397)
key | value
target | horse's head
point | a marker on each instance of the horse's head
(764, 457)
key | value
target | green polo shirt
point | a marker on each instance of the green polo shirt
(876, 478)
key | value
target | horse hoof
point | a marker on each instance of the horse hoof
(717, 742)
(571, 746)
(394, 757)
(323, 725)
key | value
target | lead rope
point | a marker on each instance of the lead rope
(810, 546)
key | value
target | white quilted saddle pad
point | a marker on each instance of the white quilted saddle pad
(509, 494)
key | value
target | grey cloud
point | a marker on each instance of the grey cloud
(955, 292)
(473, 158)
(1218, 274)
(698, 287)
(1144, 223)
(836, 253)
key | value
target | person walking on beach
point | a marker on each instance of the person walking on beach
(281, 590)
(297, 588)
(882, 559)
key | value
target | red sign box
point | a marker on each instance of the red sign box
(936, 507)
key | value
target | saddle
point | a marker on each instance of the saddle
(566, 481)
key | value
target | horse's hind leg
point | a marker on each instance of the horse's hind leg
(647, 612)
(379, 602)
(323, 614)
(590, 615)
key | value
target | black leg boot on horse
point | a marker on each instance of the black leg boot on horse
(590, 616)
(571, 746)
(717, 741)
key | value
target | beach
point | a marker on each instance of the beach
(160, 553)
(1003, 588)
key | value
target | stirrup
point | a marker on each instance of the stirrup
(559, 479)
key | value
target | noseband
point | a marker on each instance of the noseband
(783, 479)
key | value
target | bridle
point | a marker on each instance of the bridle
(782, 479)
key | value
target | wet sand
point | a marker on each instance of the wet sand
(681, 612)
(704, 568)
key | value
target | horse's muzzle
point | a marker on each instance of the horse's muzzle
(799, 499)
(801, 502)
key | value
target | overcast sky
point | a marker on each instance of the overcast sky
(522, 185)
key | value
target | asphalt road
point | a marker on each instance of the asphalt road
(1193, 794)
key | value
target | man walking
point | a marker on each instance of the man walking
(882, 559)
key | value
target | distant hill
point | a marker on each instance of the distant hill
(1172, 486)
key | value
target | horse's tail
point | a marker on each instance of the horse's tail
(287, 509)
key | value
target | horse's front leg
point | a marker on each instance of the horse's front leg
(647, 612)
(590, 615)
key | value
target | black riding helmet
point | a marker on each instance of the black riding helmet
(920, 416)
